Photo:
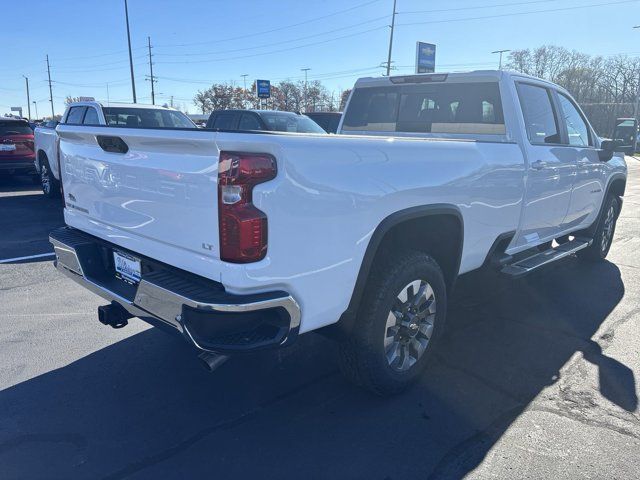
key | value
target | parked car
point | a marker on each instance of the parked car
(239, 241)
(329, 121)
(626, 135)
(269, 120)
(16, 147)
(95, 114)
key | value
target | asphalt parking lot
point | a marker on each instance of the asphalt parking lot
(534, 379)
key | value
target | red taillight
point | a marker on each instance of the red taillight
(243, 228)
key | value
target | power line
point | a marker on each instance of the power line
(119, 52)
(519, 13)
(254, 47)
(442, 10)
(263, 32)
(99, 65)
(283, 49)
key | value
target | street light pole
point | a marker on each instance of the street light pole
(133, 83)
(500, 52)
(306, 104)
(26, 79)
(35, 104)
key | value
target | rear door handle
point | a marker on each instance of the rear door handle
(112, 144)
(538, 165)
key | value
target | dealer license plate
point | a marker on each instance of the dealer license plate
(127, 267)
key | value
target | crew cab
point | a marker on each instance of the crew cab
(239, 241)
(92, 113)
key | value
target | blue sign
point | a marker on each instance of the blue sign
(264, 88)
(425, 57)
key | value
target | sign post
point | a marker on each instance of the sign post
(425, 57)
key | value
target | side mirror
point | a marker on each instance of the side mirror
(607, 147)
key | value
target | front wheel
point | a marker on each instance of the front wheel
(603, 237)
(50, 186)
(402, 315)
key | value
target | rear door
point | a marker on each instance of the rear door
(589, 185)
(551, 166)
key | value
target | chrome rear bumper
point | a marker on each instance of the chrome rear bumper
(198, 308)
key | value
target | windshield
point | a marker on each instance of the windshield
(146, 118)
(290, 122)
(15, 128)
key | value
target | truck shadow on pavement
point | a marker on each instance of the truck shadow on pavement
(144, 408)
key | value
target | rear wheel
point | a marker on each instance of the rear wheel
(50, 186)
(603, 237)
(403, 314)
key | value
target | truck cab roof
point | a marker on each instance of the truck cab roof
(474, 76)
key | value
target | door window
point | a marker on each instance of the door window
(577, 128)
(224, 121)
(248, 121)
(91, 117)
(75, 115)
(539, 117)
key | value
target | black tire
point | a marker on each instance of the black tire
(50, 186)
(603, 237)
(364, 355)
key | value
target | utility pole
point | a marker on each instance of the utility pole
(306, 104)
(500, 52)
(133, 83)
(171, 101)
(35, 104)
(244, 95)
(636, 107)
(50, 91)
(393, 24)
(26, 79)
(151, 77)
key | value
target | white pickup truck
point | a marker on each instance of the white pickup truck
(96, 113)
(242, 241)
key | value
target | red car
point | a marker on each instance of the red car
(17, 154)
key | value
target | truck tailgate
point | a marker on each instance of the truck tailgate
(164, 188)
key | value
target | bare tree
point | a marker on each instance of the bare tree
(605, 89)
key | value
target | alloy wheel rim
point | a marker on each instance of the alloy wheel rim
(607, 231)
(410, 325)
(44, 179)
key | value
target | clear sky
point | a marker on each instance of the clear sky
(197, 42)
